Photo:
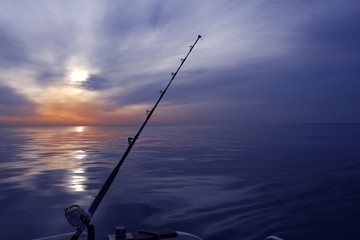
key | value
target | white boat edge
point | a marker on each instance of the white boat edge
(67, 236)
(64, 236)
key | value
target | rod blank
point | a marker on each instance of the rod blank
(95, 204)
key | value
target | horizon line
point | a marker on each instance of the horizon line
(177, 124)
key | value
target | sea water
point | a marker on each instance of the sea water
(219, 182)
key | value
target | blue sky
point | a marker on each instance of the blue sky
(104, 62)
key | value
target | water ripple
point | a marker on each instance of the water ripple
(246, 182)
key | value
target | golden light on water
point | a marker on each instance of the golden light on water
(54, 150)
(79, 170)
(80, 154)
(79, 129)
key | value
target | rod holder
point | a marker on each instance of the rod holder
(120, 233)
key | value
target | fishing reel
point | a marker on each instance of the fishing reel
(76, 216)
(80, 219)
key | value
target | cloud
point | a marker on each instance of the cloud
(13, 103)
(12, 50)
(258, 61)
(96, 83)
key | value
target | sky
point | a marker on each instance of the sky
(103, 62)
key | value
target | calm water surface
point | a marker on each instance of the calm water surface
(243, 182)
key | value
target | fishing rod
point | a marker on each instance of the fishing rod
(78, 217)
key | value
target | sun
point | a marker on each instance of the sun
(78, 76)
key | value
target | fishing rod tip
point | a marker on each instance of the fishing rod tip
(199, 36)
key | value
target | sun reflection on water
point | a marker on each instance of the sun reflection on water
(77, 178)
(80, 154)
(76, 183)
(57, 153)
(79, 170)
(79, 129)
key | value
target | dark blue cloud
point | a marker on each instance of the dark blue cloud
(317, 82)
(146, 93)
(333, 38)
(49, 76)
(96, 83)
(12, 50)
(14, 104)
(123, 18)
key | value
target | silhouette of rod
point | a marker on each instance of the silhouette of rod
(95, 204)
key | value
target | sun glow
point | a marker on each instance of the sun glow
(78, 76)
